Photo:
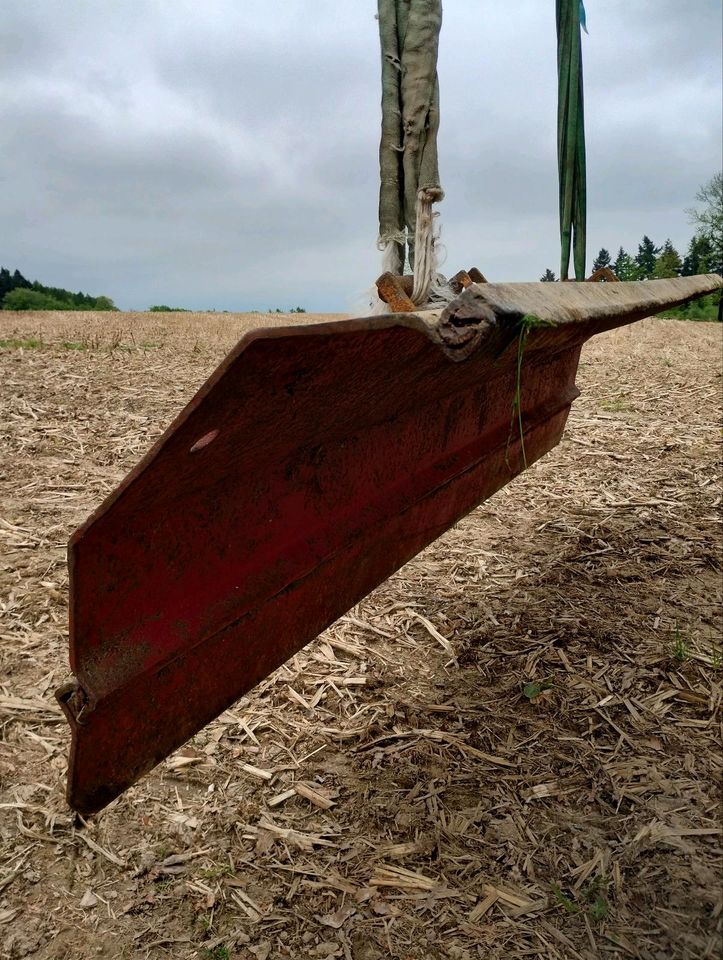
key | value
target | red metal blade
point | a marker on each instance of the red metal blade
(314, 463)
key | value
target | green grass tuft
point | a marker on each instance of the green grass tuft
(681, 651)
(533, 689)
(15, 343)
(569, 905)
(592, 901)
(614, 406)
(218, 953)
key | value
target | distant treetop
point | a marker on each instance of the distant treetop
(17, 293)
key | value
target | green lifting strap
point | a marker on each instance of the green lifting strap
(571, 137)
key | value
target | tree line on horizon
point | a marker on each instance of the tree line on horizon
(657, 263)
(18, 293)
(705, 250)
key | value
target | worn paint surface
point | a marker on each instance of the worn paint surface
(314, 463)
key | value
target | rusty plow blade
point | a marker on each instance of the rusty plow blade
(315, 462)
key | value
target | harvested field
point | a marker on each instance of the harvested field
(510, 749)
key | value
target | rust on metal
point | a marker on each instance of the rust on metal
(460, 281)
(396, 291)
(313, 463)
(391, 290)
(476, 276)
(406, 282)
(603, 275)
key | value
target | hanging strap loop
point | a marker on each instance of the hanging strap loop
(409, 174)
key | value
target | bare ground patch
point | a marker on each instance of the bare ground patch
(510, 749)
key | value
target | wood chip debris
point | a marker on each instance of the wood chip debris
(391, 790)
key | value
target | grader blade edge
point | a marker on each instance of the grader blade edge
(314, 463)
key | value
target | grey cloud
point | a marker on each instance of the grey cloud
(225, 154)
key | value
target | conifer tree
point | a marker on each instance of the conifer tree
(624, 266)
(603, 259)
(668, 263)
(646, 258)
(700, 257)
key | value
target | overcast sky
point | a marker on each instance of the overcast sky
(223, 154)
